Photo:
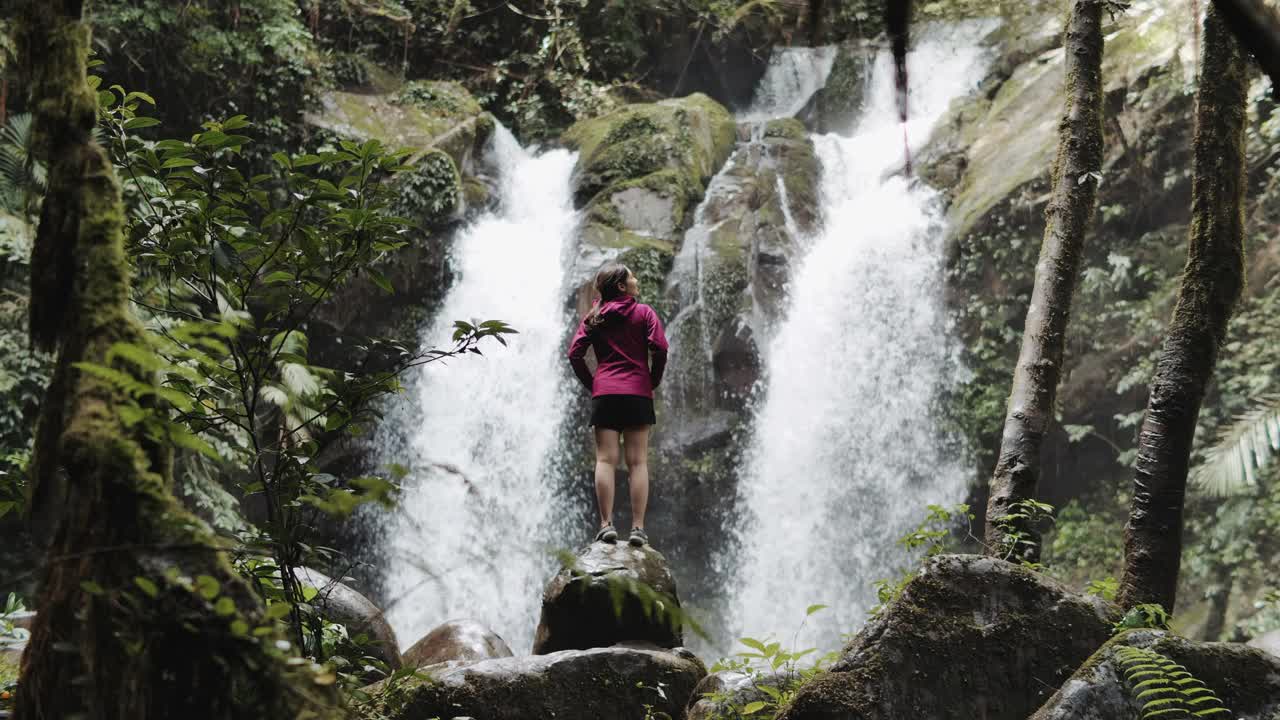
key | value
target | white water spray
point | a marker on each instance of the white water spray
(792, 77)
(846, 455)
(469, 537)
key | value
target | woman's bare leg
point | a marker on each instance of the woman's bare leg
(636, 444)
(606, 466)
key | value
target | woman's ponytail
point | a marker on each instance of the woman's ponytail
(607, 281)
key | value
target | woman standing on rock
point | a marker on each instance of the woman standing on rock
(623, 333)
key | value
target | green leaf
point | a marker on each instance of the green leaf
(280, 610)
(147, 586)
(224, 606)
(381, 281)
(177, 162)
(813, 609)
(754, 707)
(91, 587)
(207, 587)
(140, 122)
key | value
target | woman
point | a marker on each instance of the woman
(623, 333)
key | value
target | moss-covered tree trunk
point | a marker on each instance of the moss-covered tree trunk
(1257, 27)
(1211, 284)
(1035, 379)
(140, 614)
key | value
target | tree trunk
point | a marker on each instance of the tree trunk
(1035, 379)
(140, 614)
(1211, 284)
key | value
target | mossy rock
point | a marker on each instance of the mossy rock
(668, 149)
(836, 107)
(419, 116)
(617, 682)
(968, 637)
(1245, 679)
(994, 143)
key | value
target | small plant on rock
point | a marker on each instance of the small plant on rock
(775, 672)
(1166, 689)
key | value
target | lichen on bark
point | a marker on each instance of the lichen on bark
(1211, 284)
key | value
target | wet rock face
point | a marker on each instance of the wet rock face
(836, 107)
(641, 170)
(1245, 679)
(459, 641)
(615, 682)
(341, 604)
(578, 606)
(969, 637)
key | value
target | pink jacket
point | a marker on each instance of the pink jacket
(622, 342)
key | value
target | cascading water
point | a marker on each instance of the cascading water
(701, 403)
(845, 454)
(793, 76)
(471, 532)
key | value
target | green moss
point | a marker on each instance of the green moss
(691, 136)
(650, 263)
(430, 192)
(8, 671)
(441, 98)
(786, 128)
(475, 193)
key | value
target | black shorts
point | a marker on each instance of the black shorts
(620, 412)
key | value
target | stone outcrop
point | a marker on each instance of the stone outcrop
(341, 604)
(446, 132)
(641, 170)
(1245, 680)
(969, 637)
(615, 682)
(611, 593)
(836, 107)
(458, 641)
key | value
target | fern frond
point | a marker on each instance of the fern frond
(1169, 690)
(1244, 448)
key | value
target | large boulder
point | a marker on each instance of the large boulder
(456, 640)
(969, 637)
(421, 115)
(341, 604)
(611, 593)
(616, 683)
(1245, 680)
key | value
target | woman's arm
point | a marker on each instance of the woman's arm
(578, 355)
(657, 346)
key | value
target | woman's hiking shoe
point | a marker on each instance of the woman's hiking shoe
(607, 534)
(638, 538)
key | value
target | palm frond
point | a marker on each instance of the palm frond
(1243, 449)
(21, 177)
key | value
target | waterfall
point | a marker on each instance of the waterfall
(480, 509)
(792, 77)
(845, 453)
